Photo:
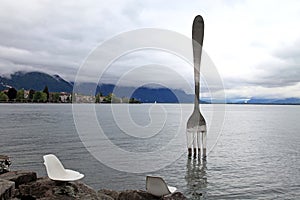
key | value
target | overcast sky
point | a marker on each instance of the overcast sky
(255, 45)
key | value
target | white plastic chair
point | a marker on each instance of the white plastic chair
(57, 172)
(158, 187)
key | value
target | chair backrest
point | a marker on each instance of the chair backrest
(156, 186)
(53, 166)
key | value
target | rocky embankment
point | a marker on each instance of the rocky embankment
(25, 185)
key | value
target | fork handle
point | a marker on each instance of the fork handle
(197, 36)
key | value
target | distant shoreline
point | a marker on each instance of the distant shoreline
(278, 104)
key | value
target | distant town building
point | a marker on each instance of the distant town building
(84, 98)
(65, 97)
(26, 94)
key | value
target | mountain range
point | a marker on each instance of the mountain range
(38, 80)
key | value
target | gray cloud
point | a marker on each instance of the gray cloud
(56, 37)
(274, 77)
(281, 72)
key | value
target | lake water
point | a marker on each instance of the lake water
(256, 157)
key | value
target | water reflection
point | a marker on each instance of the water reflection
(196, 178)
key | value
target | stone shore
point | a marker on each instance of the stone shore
(25, 185)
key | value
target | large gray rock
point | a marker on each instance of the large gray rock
(6, 189)
(105, 193)
(19, 177)
(29, 187)
(104, 197)
(174, 196)
(46, 189)
(136, 195)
